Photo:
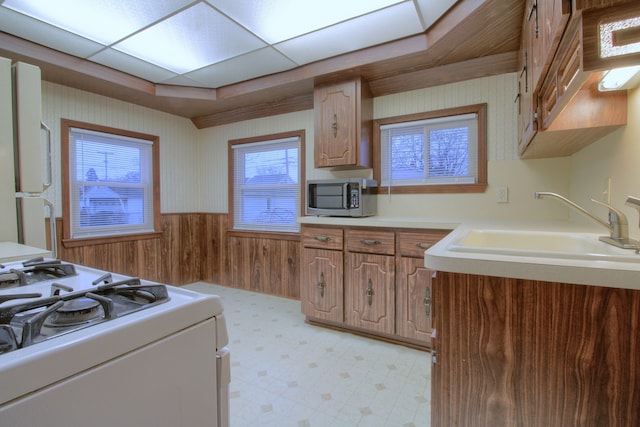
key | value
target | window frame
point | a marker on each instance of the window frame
(67, 239)
(230, 183)
(479, 187)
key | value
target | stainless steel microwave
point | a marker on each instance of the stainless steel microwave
(341, 197)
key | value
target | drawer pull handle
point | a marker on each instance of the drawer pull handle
(369, 293)
(427, 302)
(323, 238)
(370, 242)
(321, 285)
(424, 246)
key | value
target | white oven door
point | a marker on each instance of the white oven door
(169, 383)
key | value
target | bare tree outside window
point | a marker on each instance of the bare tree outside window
(438, 151)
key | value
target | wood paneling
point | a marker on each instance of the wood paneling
(264, 265)
(528, 353)
(196, 247)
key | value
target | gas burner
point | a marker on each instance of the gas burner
(75, 312)
(37, 318)
(33, 271)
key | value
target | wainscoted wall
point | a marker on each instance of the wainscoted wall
(197, 247)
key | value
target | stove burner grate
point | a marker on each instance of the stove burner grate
(42, 318)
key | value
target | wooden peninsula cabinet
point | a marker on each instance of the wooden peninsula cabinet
(369, 280)
(343, 124)
(514, 352)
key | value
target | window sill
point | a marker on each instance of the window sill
(434, 189)
(89, 241)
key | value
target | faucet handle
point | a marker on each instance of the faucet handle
(634, 202)
(615, 216)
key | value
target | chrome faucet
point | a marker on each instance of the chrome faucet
(618, 225)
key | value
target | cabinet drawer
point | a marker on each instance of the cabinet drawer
(321, 237)
(371, 242)
(413, 244)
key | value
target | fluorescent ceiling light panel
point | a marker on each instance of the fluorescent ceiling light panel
(192, 39)
(29, 28)
(104, 21)
(617, 78)
(278, 20)
(393, 23)
(134, 66)
(245, 67)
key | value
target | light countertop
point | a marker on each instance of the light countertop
(563, 270)
(10, 251)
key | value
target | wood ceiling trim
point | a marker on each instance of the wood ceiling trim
(280, 106)
(467, 70)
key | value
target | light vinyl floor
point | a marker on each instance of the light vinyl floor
(285, 372)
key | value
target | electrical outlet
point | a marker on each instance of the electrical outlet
(502, 194)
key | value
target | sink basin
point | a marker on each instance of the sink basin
(541, 244)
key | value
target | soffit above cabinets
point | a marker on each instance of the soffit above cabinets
(231, 59)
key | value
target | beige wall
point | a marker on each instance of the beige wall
(615, 157)
(194, 162)
(505, 169)
(179, 178)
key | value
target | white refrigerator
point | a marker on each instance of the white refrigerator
(25, 158)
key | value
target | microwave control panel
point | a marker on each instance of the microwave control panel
(354, 197)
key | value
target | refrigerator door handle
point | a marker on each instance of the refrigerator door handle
(49, 160)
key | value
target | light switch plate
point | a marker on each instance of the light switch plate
(502, 194)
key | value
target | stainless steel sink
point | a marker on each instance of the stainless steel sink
(541, 244)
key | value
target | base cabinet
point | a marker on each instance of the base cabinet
(370, 292)
(413, 299)
(513, 352)
(322, 272)
(369, 280)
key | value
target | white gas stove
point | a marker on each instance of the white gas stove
(80, 346)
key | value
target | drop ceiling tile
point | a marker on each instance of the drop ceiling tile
(192, 39)
(278, 20)
(123, 62)
(47, 35)
(183, 81)
(104, 21)
(432, 10)
(393, 23)
(249, 66)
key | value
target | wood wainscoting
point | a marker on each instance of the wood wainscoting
(198, 247)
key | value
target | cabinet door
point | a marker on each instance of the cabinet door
(335, 127)
(413, 300)
(526, 101)
(370, 292)
(321, 288)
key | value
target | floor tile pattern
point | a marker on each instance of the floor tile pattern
(285, 372)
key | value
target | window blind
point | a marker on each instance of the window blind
(430, 152)
(111, 184)
(266, 185)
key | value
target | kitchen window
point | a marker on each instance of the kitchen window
(433, 152)
(266, 176)
(110, 186)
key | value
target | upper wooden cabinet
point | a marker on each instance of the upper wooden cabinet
(563, 111)
(343, 120)
(543, 25)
